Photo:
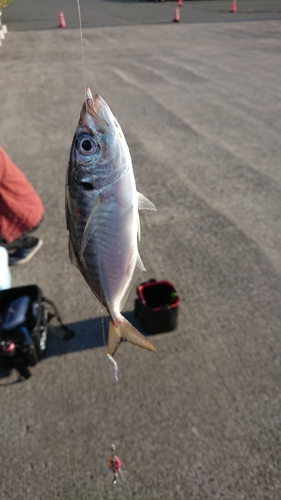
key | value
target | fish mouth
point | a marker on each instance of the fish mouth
(89, 94)
(99, 109)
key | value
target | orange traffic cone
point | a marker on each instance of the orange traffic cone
(177, 15)
(62, 20)
(180, 3)
(233, 6)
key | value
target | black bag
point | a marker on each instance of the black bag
(25, 317)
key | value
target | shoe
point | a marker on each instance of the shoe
(24, 254)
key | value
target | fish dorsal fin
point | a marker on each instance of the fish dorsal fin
(144, 203)
(89, 228)
(139, 268)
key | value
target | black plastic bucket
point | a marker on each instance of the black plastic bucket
(157, 306)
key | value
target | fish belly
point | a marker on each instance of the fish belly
(111, 254)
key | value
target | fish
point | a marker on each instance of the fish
(102, 215)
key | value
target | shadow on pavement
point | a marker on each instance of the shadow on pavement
(89, 334)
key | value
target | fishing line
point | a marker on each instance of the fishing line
(69, 405)
(82, 49)
(114, 463)
(88, 96)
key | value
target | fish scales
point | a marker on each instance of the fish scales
(102, 205)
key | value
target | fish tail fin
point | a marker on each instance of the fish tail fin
(124, 329)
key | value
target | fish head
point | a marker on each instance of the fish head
(99, 153)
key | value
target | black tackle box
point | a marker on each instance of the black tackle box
(25, 316)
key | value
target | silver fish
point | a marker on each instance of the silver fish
(102, 205)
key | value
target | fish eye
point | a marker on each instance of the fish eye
(87, 145)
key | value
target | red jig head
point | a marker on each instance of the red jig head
(114, 464)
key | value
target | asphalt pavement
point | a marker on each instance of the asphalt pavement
(199, 104)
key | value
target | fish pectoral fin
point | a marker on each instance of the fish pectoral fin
(128, 332)
(90, 227)
(72, 256)
(144, 203)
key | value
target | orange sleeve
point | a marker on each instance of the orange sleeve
(21, 208)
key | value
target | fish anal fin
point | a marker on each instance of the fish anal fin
(144, 203)
(139, 266)
(124, 329)
(139, 228)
